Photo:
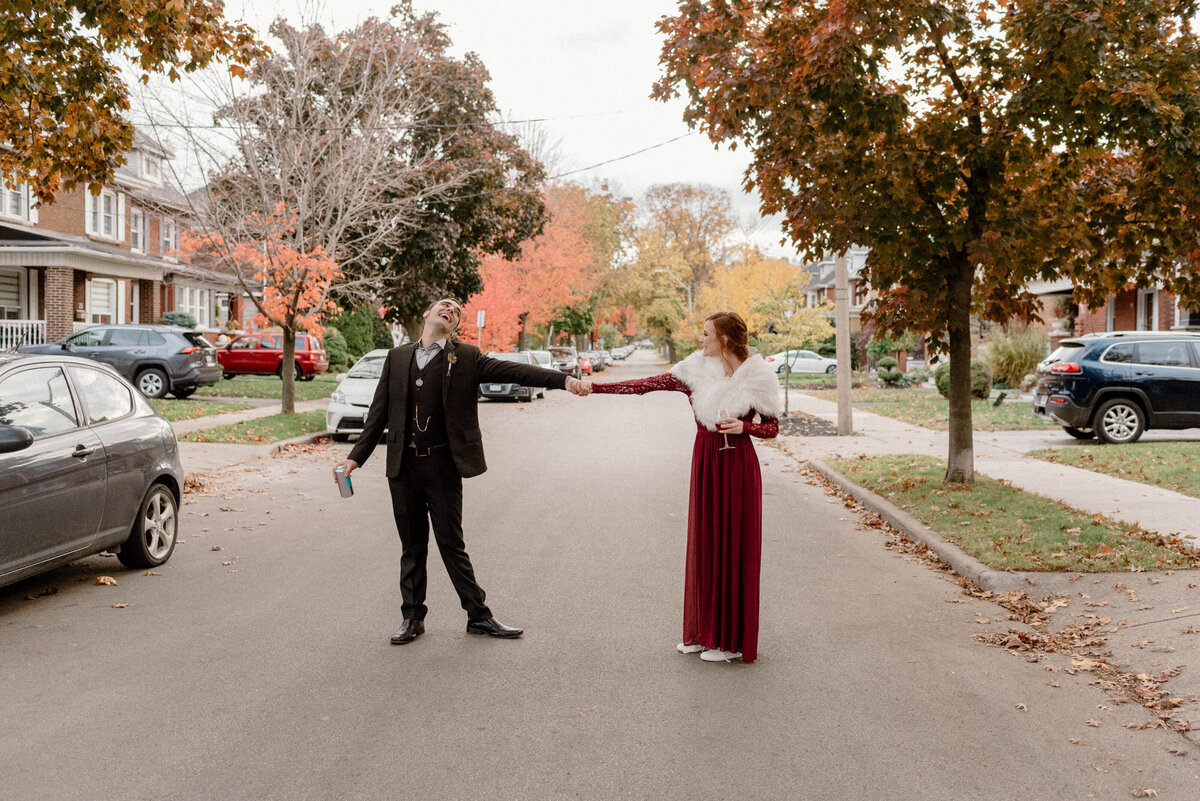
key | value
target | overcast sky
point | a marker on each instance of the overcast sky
(586, 68)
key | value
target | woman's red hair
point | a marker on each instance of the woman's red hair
(730, 329)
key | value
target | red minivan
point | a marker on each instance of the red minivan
(262, 354)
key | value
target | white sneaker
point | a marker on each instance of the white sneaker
(713, 655)
(684, 648)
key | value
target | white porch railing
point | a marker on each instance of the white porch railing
(77, 327)
(22, 332)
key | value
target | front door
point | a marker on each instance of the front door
(52, 493)
(1166, 373)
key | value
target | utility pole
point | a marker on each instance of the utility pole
(841, 302)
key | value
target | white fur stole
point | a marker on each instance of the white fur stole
(715, 395)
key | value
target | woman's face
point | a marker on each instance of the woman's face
(710, 344)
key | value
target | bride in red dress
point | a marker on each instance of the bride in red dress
(726, 387)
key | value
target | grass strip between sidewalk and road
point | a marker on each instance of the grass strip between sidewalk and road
(1173, 466)
(176, 410)
(269, 386)
(1008, 529)
(260, 430)
(928, 409)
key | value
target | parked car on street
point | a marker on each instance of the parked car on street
(85, 466)
(802, 361)
(262, 354)
(596, 358)
(157, 358)
(544, 358)
(585, 364)
(620, 353)
(350, 402)
(566, 360)
(1116, 385)
(514, 391)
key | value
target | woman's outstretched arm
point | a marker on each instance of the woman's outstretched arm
(667, 382)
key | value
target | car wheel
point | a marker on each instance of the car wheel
(153, 383)
(183, 393)
(1119, 422)
(229, 376)
(153, 537)
(336, 437)
(296, 372)
(1080, 433)
(542, 394)
(831, 368)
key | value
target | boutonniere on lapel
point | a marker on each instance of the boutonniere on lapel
(450, 360)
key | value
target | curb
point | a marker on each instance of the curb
(960, 561)
(303, 439)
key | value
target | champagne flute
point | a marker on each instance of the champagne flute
(723, 414)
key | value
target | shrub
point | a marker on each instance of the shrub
(336, 351)
(363, 329)
(179, 318)
(981, 379)
(919, 375)
(1012, 356)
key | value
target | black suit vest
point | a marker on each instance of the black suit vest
(426, 412)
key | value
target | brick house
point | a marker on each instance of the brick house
(105, 258)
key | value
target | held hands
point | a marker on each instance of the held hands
(349, 464)
(580, 388)
(730, 425)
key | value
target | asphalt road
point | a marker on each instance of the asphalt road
(257, 665)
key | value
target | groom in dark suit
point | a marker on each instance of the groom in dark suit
(427, 401)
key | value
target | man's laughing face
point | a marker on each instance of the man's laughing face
(448, 311)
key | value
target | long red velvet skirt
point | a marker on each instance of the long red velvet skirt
(724, 550)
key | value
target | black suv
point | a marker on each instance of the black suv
(157, 358)
(1115, 385)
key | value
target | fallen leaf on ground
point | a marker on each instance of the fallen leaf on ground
(1144, 792)
(107, 581)
(1095, 724)
(119, 606)
(216, 548)
(1022, 707)
(1077, 741)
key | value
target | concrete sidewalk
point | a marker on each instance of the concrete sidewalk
(199, 456)
(1002, 455)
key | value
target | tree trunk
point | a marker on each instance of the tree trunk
(960, 462)
(521, 334)
(412, 327)
(287, 371)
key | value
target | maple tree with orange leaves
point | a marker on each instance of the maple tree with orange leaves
(289, 287)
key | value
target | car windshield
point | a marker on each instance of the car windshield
(563, 353)
(523, 358)
(366, 368)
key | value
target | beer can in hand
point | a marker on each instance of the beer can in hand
(343, 481)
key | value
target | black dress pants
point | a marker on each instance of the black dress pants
(429, 490)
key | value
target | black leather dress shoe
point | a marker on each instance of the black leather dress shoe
(409, 631)
(492, 628)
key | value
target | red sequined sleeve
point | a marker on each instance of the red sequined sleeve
(667, 382)
(767, 429)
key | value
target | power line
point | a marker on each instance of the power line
(400, 126)
(626, 156)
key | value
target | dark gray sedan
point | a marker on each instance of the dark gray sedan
(85, 466)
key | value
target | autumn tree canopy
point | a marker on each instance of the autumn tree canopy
(62, 98)
(972, 145)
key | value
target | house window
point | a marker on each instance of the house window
(168, 237)
(14, 201)
(105, 214)
(137, 231)
(151, 167)
(103, 297)
(1147, 310)
(196, 302)
(10, 295)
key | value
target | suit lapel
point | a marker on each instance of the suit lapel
(404, 362)
(451, 357)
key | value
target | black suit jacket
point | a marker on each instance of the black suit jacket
(466, 369)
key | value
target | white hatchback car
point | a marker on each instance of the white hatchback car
(802, 361)
(350, 402)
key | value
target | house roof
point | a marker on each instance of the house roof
(20, 247)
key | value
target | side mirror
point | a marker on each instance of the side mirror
(65, 346)
(14, 438)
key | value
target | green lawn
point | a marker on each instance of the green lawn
(263, 429)
(1170, 465)
(1006, 528)
(176, 410)
(268, 386)
(816, 380)
(928, 409)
